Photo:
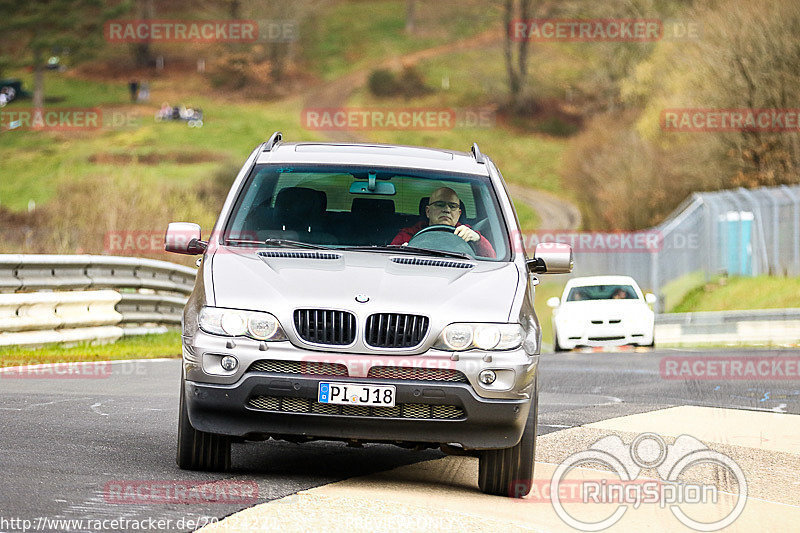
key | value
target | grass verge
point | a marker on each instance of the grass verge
(725, 294)
(139, 347)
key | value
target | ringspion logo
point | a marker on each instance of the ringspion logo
(672, 462)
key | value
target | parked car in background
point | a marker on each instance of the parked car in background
(602, 311)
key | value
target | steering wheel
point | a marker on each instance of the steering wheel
(436, 227)
(441, 237)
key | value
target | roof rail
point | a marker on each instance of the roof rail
(476, 153)
(273, 140)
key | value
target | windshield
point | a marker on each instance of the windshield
(602, 292)
(364, 207)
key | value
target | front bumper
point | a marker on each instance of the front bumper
(229, 410)
(604, 336)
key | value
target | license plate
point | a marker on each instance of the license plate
(356, 394)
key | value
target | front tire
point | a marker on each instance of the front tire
(509, 471)
(198, 450)
(557, 347)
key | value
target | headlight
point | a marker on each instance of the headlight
(235, 323)
(457, 336)
(463, 336)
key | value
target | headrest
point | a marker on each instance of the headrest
(299, 205)
(372, 207)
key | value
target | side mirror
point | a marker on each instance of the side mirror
(553, 302)
(650, 298)
(184, 238)
(551, 258)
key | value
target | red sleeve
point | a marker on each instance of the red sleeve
(406, 233)
(484, 247)
(401, 238)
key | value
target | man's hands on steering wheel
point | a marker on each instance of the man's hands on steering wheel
(466, 233)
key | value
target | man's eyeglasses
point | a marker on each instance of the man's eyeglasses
(442, 205)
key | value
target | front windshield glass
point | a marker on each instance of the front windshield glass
(602, 292)
(358, 206)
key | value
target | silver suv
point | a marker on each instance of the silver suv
(365, 293)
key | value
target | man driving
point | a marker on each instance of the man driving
(444, 208)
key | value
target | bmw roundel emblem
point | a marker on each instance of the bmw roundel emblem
(362, 298)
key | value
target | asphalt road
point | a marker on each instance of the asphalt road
(62, 441)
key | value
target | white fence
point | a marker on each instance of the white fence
(88, 297)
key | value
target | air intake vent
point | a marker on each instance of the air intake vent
(393, 330)
(430, 262)
(323, 326)
(308, 368)
(417, 374)
(284, 404)
(300, 255)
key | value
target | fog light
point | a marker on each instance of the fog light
(487, 377)
(230, 363)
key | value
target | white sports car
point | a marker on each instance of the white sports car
(602, 311)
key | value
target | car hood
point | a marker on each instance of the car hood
(280, 281)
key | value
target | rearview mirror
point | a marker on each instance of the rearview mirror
(553, 302)
(650, 298)
(184, 238)
(365, 187)
(551, 258)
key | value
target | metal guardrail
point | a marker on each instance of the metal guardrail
(771, 327)
(64, 272)
(72, 298)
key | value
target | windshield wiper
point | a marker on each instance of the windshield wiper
(395, 248)
(283, 243)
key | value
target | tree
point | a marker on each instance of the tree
(517, 68)
(411, 15)
(142, 53)
(33, 28)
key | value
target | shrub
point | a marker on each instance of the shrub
(383, 83)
